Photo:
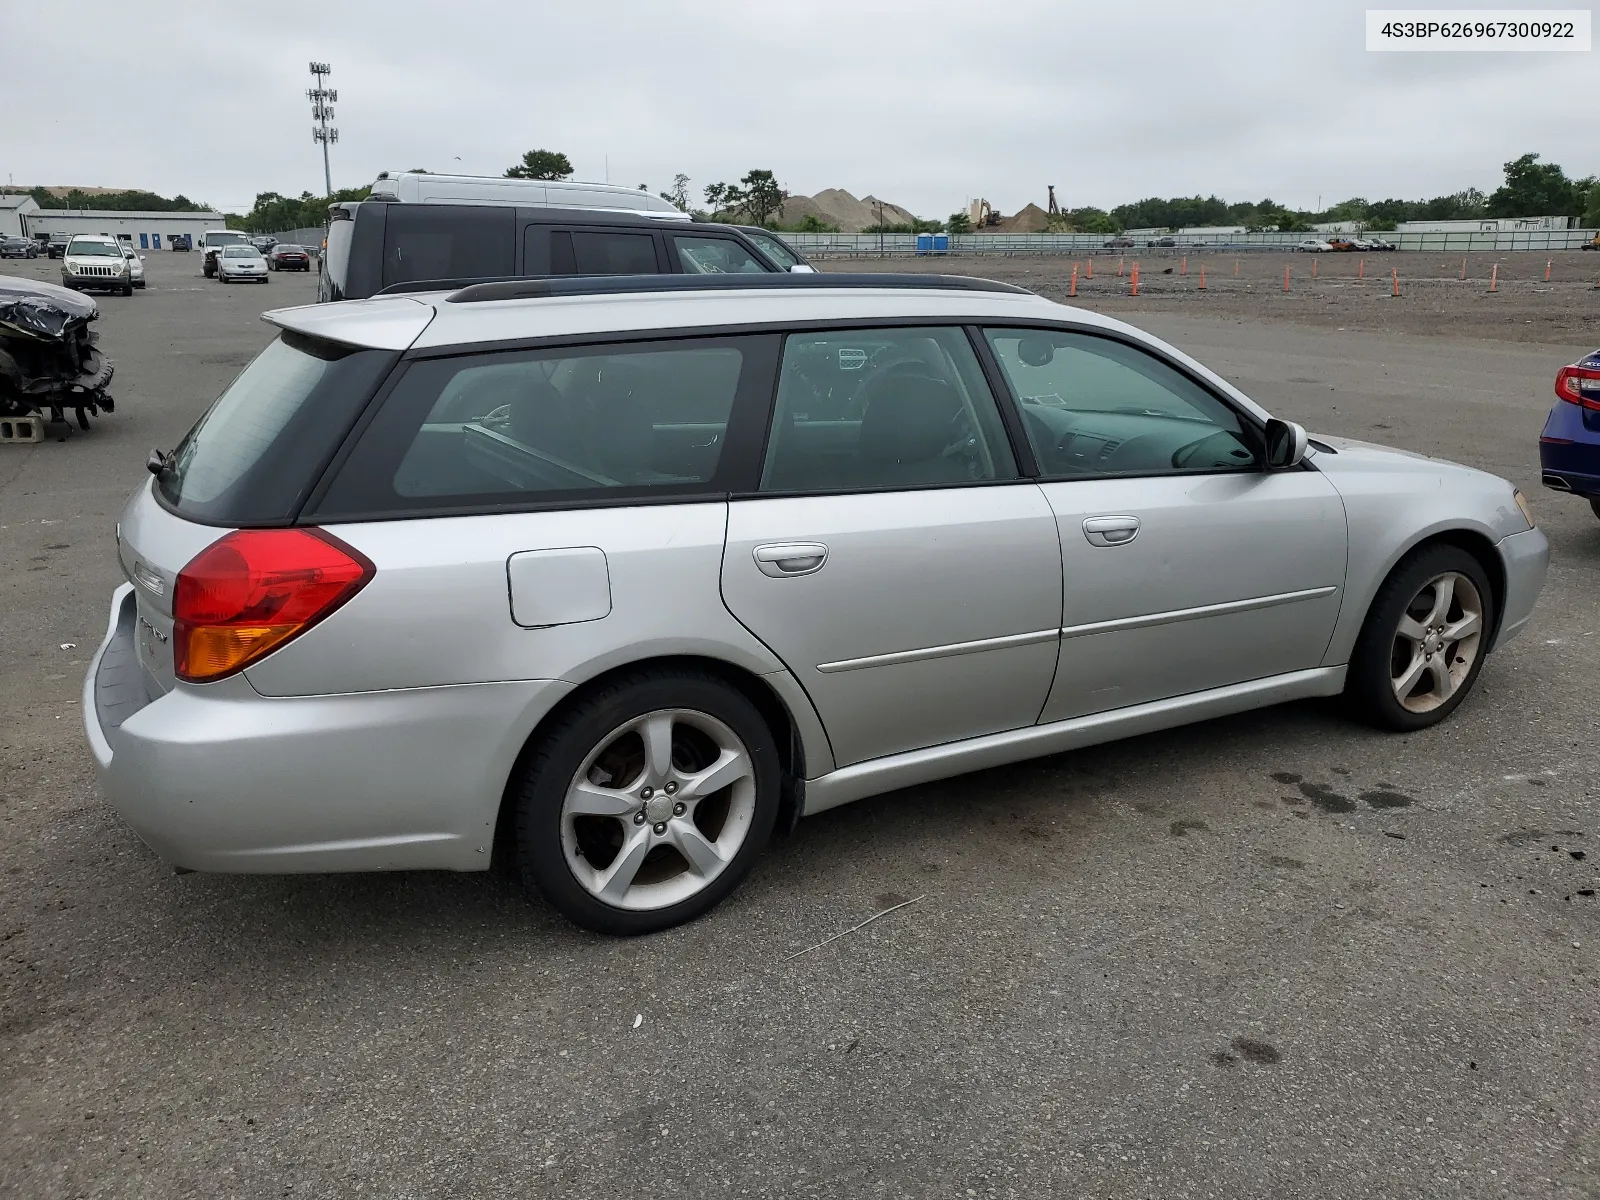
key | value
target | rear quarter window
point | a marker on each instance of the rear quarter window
(434, 241)
(256, 453)
(567, 427)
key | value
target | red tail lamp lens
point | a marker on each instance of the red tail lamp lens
(244, 596)
(1579, 385)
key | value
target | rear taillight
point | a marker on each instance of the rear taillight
(1579, 385)
(244, 596)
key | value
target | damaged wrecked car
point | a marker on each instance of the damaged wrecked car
(49, 362)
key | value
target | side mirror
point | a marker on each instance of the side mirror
(1286, 444)
(802, 269)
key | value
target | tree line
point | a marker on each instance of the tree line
(1530, 188)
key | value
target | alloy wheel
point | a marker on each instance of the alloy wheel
(1436, 642)
(658, 809)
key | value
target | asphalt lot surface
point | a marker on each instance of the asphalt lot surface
(1272, 955)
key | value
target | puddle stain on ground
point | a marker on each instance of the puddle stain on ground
(1251, 1050)
(1325, 798)
(1385, 798)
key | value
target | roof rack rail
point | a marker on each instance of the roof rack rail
(525, 288)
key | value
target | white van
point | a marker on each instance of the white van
(418, 187)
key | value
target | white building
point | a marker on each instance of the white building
(147, 230)
(1484, 225)
(14, 214)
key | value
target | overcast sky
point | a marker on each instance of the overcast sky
(926, 104)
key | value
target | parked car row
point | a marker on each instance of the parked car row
(18, 247)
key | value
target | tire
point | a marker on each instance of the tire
(127, 289)
(566, 856)
(140, 285)
(1444, 671)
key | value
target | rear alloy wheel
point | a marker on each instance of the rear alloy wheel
(648, 803)
(1424, 642)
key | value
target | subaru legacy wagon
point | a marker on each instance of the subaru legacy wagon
(623, 575)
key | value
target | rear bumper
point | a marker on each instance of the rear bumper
(1526, 558)
(220, 778)
(1569, 450)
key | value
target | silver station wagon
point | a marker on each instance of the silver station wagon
(621, 576)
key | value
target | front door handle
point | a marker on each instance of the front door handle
(1111, 531)
(783, 559)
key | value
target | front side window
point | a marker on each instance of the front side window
(1093, 406)
(557, 426)
(883, 408)
(775, 250)
(715, 256)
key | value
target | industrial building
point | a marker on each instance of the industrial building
(147, 230)
(1486, 225)
(14, 213)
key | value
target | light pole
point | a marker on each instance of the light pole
(322, 99)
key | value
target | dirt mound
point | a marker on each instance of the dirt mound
(1031, 219)
(838, 207)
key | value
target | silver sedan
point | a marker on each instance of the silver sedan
(622, 575)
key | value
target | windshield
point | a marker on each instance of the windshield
(81, 249)
(257, 451)
(239, 252)
(225, 239)
(775, 250)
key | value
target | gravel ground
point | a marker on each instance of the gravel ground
(1433, 299)
(1273, 955)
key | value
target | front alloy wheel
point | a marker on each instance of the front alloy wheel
(1424, 641)
(1436, 642)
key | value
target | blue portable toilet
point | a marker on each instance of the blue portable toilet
(155, 240)
(924, 243)
(941, 243)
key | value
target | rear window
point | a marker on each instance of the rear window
(561, 428)
(255, 454)
(431, 241)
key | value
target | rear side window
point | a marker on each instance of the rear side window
(562, 427)
(596, 252)
(254, 456)
(433, 241)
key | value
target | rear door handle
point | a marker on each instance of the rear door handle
(783, 559)
(1111, 531)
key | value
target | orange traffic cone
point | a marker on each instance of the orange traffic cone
(1313, 266)
(1286, 277)
(1089, 274)
(1547, 263)
(1494, 278)
(1361, 269)
(1184, 269)
(1135, 280)
(1202, 277)
(1073, 290)
(1394, 274)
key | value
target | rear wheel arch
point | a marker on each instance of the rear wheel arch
(780, 721)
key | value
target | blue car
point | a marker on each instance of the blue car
(1569, 447)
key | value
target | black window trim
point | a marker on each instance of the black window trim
(738, 468)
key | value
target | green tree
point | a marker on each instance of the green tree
(1091, 220)
(678, 193)
(541, 164)
(810, 223)
(761, 196)
(1534, 189)
(958, 223)
(723, 197)
(1591, 208)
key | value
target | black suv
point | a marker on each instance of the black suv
(376, 245)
